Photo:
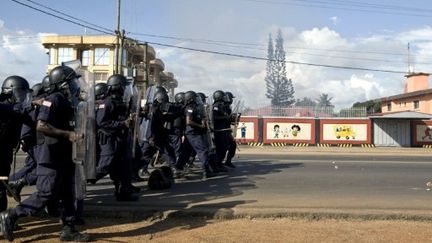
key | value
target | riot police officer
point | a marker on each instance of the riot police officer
(222, 127)
(196, 136)
(113, 122)
(27, 174)
(178, 125)
(234, 119)
(14, 91)
(55, 168)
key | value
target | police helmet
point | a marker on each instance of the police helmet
(116, 83)
(46, 84)
(159, 179)
(161, 89)
(38, 90)
(190, 97)
(161, 97)
(229, 97)
(202, 96)
(61, 74)
(218, 95)
(180, 98)
(101, 90)
(16, 88)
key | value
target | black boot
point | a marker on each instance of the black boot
(125, 194)
(8, 220)
(16, 187)
(229, 164)
(207, 173)
(69, 233)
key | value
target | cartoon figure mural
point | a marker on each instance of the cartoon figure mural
(276, 130)
(427, 133)
(295, 129)
(344, 131)
(243, 130)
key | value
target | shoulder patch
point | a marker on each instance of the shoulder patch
(190, 110)
(46, 103)
(101, 106)
(215, 108)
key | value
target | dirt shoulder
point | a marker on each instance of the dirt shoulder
(237, 230)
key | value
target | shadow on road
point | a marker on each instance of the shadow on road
(189, 197)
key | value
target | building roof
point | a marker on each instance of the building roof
(405, 95)
(401, 115)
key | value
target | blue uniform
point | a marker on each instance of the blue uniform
(232, 145)
(55, 168)
(28, 136)
(222, 130)
(196, 139)
(112, 134)
(10, 127)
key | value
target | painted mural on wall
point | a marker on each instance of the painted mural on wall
(424, 133)
(245, 130)
(345, 132)
(288, 131)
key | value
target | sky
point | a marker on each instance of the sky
(366, 34)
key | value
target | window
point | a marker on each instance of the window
(389, 107)
(52, 56)
(416, 104)
(100, 77)
(101, 56)
(65, 55)
(124, 57)
(85, 57)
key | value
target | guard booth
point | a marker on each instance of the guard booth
(394, 129)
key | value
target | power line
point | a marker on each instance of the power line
(266, 59)
(326, 6)
(62, 18)
(67, 15)
(254, 45)
(216, 52)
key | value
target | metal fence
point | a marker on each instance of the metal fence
(300, 111)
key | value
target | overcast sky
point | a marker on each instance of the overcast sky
(366, 34)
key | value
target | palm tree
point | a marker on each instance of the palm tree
(324, 100)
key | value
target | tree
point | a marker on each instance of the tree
(279, 88)
(324, 100)
(305, 102)
(372, 106)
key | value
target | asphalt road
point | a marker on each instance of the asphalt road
(282, 183)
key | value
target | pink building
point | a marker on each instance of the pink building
(417, 96)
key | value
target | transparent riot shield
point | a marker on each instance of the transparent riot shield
(145, 125)
(208, 112)
(236, 117)
(84, 150)
(135, 112)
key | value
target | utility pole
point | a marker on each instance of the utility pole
(118, 33)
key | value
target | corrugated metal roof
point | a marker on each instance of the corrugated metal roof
(406, 95)
(402, 115)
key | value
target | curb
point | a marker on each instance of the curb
(250, 213)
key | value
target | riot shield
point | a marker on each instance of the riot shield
(84, 150)
(208, 111)
(145, 125)
(236, 117)
(135, 112)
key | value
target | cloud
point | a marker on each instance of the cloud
(25, 56)
(245, 77)
(22, 54)
(335, 20)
